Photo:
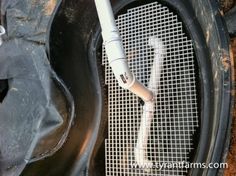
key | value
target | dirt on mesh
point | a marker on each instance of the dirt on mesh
(231, 158)
(226, 5)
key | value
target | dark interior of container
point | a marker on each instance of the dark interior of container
(75, 50)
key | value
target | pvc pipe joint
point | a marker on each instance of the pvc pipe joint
(116, 54)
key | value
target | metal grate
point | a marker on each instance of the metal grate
(176, 119)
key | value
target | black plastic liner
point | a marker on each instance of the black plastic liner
(74, 44)
(36, 108)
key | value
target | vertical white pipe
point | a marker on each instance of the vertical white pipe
(140, 151)
(116, 54)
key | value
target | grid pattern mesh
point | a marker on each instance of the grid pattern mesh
(175, 119)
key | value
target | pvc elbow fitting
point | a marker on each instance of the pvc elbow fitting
(127, 80)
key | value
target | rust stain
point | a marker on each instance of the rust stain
(226, 63)
(131, 55)
(232, 58)
(49, 7)
(227, 4)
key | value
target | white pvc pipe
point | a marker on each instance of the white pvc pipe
(2, 32)
(140, 151)
(116, 54)
(118, 62)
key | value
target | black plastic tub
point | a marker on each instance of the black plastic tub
(74, 46)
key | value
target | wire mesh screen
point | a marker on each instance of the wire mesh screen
(170, 138)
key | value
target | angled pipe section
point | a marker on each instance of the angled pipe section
(116, 54)
(140, 151)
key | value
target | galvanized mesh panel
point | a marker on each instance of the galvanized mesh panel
(176, 118)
